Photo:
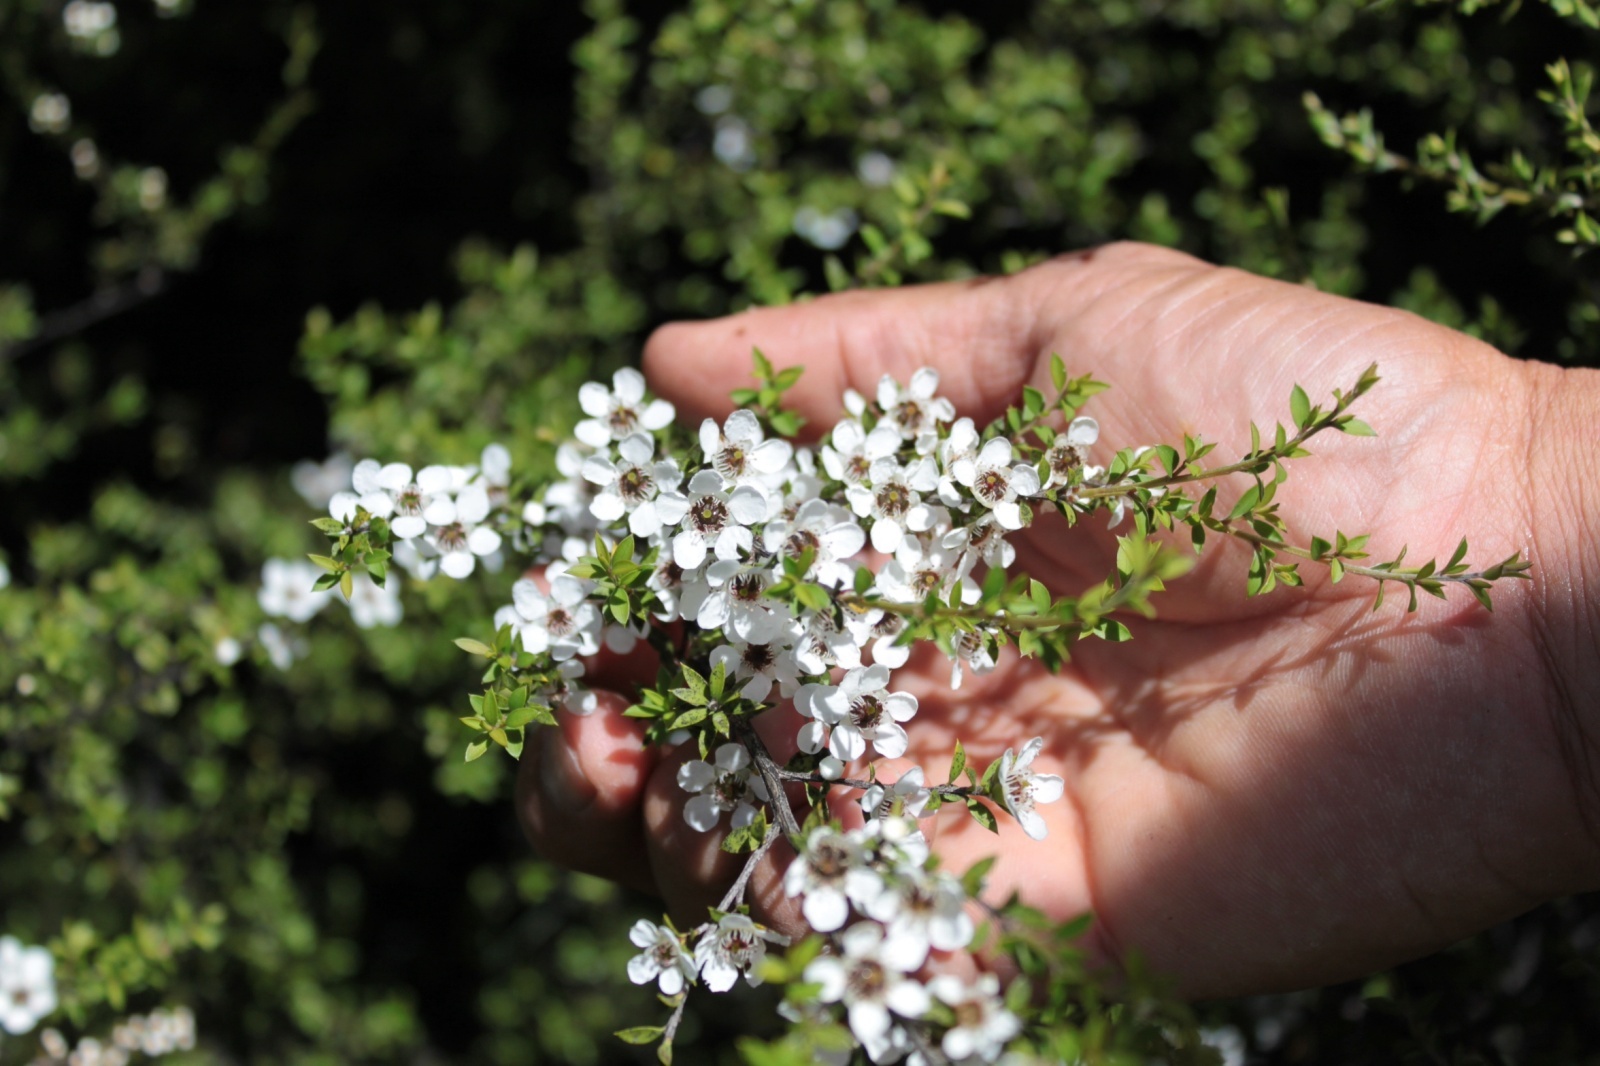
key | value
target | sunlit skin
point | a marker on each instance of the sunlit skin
(1263, 793)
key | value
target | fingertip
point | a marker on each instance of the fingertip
(580, 788)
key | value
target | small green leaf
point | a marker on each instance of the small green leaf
(972, 880)
(1039, 595)
(640, 1034)
(1299, 407)
(982, 814)
(476, 749)
(1058, 372)
(474, 647)
(1032, 401)
(1246, 503)
(958, 763)
(1357, 428)
(786, 423)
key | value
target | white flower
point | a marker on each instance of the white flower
(667, 580)
(983, 540)
(850, 457)
(561, 622)
(861, 709)
(909, 794)
(827, 231)
(570, 695)
(831, 874)
(280, 650)
(717, 520)
(494, 466)
(825, 530)
(957, 450)
(914, 574)
(566, 502)
(922, 912)
(27, 986)
(729, 785)
(733, 946)
(969, 648)
(996, 482)
(871, 986)
(88, 18)
(734, 143)
(369, 495)
(457, 535)
(50, 113)
(318, 482)
(732, 596)
(412, 495)
(287, 589)
(882, 630)
(1023, 789)
(760, 666)
(894, 500)
(663, 959)
(371, 605)
(227, 650)
(875, 169)
(1069, 452)
(620, 411)
(914, 411)
(738, 452)
(416, 557)
(821, 644)
(639, 487)
(983, 1024)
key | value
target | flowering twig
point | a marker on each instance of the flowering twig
(755, 548)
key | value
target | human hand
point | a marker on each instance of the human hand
(1261, 793)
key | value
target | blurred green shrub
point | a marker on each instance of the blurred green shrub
(301, 855)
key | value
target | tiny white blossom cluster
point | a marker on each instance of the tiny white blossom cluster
(161, 1032)
(760, 572)
(756, 574)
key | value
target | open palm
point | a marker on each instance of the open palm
(1261, 793)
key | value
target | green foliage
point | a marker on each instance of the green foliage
(230, 835)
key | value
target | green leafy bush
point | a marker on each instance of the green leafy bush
(302, 855)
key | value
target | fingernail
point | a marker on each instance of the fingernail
(561, 778)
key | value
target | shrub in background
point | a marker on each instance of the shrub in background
(301, 855)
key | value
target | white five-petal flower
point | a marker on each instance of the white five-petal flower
(738, 451)
(996, 481)
(561, 622)
(620, 411)
(717, 520)
(733, 946)
(638, 486)
(894, 500)
(1024, 790)
(862, 709)
(27, 986)
(726, 785)
(663, 959)
(831, 874)
(287, 589)
(872, 986)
